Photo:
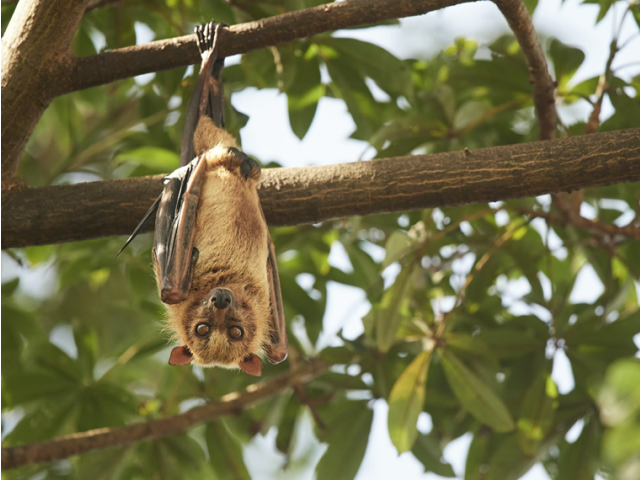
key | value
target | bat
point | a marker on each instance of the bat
(213, 257)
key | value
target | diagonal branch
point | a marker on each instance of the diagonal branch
(519, 20)
(78, 443)
(296, 196)
(176, 52)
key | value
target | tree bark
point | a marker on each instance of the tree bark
(78, 443)
(176, 52)
(38, 37)
(296, 196)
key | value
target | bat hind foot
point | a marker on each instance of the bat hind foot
(249, 167)
(205, 36)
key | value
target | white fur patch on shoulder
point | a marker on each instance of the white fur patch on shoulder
(215, 155)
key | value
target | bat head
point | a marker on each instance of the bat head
(221, 330)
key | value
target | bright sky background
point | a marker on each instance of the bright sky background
(268, 136)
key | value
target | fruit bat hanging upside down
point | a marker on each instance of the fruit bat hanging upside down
(214, 259)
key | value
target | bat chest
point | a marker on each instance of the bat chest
(230, 229)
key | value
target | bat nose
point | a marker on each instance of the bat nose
(221, 298)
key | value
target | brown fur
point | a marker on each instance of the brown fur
(232, 239)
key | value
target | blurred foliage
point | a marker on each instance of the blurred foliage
(469, 305)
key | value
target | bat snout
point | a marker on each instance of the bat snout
(221, 298)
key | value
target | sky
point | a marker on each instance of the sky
(268, 136)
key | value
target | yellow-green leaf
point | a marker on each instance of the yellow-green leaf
(406, 401)
(388, 312)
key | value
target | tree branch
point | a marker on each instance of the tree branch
(594, 226)
(296, 196)
(78, 443)
(519, 20)
(38, 36)
(176, 52)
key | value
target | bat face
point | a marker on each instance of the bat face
(221, 329)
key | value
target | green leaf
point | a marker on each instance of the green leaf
(536, 412)
(427, 450)
(37, 255)
(531, 6)
(225, 452)
(605, 5)
(159, 160)
(388, 313)
(397, 245)
(302, 110)
(303, 85)
(468, 113)
(579, 461)
(508, 462)
(507, 343)
(477, 457)
(287, 427)
(347, 437)
(475, 397)
(390, 74)
(468, 344)
(566, 61)
(406, 401)
(352, 88)
(447, 100)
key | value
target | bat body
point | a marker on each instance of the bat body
(213, 256)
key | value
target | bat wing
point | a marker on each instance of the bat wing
(173, 252)
(279, 346)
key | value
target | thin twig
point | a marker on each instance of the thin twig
(78, 443)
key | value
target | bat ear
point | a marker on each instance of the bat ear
(252, 365)
(180, 356)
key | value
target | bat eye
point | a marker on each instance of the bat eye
(244, 305)
(236, 333)
(202, 329)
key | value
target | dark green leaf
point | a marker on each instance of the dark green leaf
(474, 395)
(347, 437)
(225, 452)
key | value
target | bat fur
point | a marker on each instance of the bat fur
(232, 237)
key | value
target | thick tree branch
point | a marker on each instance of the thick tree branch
(38, 36)
(296, 196)
(543, 85)
(176, 52)
(78, 443)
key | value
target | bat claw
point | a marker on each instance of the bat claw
(249, 167)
